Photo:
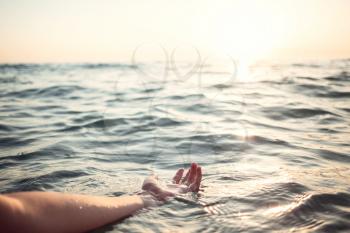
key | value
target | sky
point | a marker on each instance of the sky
(115, 30)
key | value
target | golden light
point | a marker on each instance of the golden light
(247, 31)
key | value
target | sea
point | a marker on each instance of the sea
(273, 139)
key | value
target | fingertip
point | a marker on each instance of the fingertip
(180, 170)
(178, 175)
(193, 167)
(193, 174)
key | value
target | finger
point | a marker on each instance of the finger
(193, 174)
(194, 187)
(178, 176)
(185, 180)
(198, 179)
(187, 175)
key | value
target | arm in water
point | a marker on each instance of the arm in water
(61, 212)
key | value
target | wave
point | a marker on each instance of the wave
(333, 155)
(52, 92)
(46, 181)
(62, 126)
(63, 66)
(342, 77)
(316, 212)
(282, 113)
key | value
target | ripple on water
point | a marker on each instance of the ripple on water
(285, 113)
(274, 151)
(316, 212)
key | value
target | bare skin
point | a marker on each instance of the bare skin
(181, 184)
(61, 212)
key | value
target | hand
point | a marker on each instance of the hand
(189, 183)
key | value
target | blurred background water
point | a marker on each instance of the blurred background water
(273, 141)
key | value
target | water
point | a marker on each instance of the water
(274, 144)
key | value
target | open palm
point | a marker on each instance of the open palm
(181, 184)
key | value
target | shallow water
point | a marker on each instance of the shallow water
(274, 146)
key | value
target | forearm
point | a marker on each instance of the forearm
(59, 212)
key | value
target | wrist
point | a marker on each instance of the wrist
(148, 200)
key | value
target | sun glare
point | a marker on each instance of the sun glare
(246, 31)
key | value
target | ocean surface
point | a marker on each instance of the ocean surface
(273, 140)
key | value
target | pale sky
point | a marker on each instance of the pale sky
(110, 30)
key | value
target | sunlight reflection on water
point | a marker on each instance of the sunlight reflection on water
(273, 147)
